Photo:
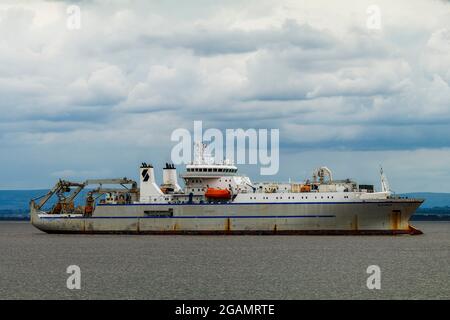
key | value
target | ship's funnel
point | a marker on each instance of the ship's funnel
(170, 177)
(148, 184)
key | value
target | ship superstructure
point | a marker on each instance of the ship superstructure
(217, 199)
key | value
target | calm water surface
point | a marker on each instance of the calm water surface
(33, 265)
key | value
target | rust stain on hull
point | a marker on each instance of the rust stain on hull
(396, 217)
(228, 225)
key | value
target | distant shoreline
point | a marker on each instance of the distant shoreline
(423, 217)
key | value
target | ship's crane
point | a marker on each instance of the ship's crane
(122, 181)
(60, 188)
(320, 174)
(65, 203)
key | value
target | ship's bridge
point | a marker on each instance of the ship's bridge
(209, 171)
(205, 166)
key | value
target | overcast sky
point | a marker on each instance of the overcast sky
(99, 100)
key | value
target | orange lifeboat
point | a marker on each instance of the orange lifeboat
(214, 193)
(305, 188)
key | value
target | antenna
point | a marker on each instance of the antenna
(384, 181)
(199, 149)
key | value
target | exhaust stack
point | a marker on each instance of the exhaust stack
(170, 180)
(148, 186)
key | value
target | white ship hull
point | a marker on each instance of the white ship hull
(388, 216)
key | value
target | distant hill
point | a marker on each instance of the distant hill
(18, 199)
(432, 199)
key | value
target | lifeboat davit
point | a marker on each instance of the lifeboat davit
(214, 193)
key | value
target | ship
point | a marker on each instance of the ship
(217, 199)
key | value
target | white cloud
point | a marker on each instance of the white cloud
(136, 71)
(104, 86)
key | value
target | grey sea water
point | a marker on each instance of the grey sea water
(33, 265)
